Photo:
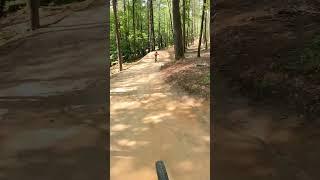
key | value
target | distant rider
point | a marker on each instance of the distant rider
(156, 56)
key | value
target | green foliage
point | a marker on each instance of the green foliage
(206, 79)
(132, 51)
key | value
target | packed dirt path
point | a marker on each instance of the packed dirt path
(53, 101)
(259, 141)
(151, 122)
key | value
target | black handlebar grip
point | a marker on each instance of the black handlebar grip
(161, 171)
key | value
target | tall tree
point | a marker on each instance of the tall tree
(149, 31)
(169, 7)
(193, 21)
(117, 31)
(151, 26)
(201, 28)
(134, 25)
(125, 20)
(178, 45)
(33, 6)
(159, 25)
(205, 35)
(184, 25)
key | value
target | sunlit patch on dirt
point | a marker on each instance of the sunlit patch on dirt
(126, 142)
(122, 90)
(119, 127)
(206, 138)
(189, 101)
(126, 105)
(140, 129)
(127, 168)
(155, 118)
(171, 106)
(185, 166)
(159, 95)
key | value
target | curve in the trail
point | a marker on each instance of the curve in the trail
(149, 122)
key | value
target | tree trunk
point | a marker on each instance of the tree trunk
(205, 32)
(134, 26)
(178, 45)
(169, 7)
(116, 23)
(193, 21)
(159, 30)
(201, 28)
(149, 37)
(152, 36)
(188, 25)
(184, 25)
(34, 14)
(126, 20)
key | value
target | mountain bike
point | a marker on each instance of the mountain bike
(161, 171)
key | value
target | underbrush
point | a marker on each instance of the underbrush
(191, 76)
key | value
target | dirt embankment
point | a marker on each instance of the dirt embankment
(270, 49)
(191, 74)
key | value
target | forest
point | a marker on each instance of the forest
(141, 26)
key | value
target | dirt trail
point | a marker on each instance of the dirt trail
(257, 141)
(52, 101)
(149, 123)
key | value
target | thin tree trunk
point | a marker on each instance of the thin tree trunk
(169, 7)
(201, 28)
(34, 14)
(152, 36)
(193, 21)
(159, 25)
(188, 25)
(184, 25)
(126, 20)
(134, 26)
(149, 37)
(116, 23)
(178, 45)
(205, 31)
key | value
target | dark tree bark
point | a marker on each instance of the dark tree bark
(117, 31)
(34, 14)
(188, 25)
(205, 31)
(178, 45)
(201, 28)
(184, 25)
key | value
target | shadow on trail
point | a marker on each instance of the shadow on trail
(150, 122)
